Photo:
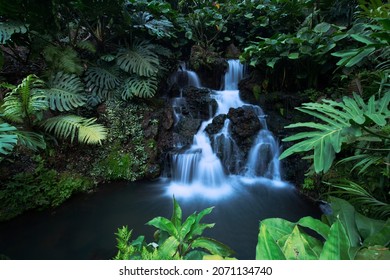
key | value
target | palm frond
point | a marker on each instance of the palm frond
(65, 92)
(364, 161)
(7, 138)
(359, 196)
(70, 126)
(30, 140)
(140, 87)
(140, 59)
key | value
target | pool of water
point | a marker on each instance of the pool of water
(84, 227)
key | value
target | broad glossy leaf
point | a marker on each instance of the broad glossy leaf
(168, 249)
(177, 214)
(267, 248)
(345, 212)
(164, 224)
(293, 55)
(380, 237)
(337, 246)
(322, 27)
(300, 246)
(185, 230)
(316, 225)
(213, 246)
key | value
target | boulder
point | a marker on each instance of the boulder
(200, 105)
(216, 125)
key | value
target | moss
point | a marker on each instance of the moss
(40, 188)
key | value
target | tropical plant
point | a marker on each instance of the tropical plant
(344, 234)
(7, 140)
(176, 239)
(346, 122)
(26, 103)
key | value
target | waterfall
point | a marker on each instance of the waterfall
(209, 168)
(183, 78)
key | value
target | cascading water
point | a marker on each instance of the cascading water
(212, 168)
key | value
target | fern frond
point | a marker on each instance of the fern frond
(86, 130)
(140, 87)
(140, 59)
(7, 29)
(65, 92)
(7, 138)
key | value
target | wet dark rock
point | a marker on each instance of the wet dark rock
(232, 52)
(244, 126)
(186, 128)
(251, 86)
(216, 125)
(199, 102)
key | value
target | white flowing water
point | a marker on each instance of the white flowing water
(213, 171)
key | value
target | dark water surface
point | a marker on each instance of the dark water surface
(84, 227)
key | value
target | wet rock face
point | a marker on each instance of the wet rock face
(244, 126)
(186, 128)
(199, 102)
(244, 121)
(216, 125)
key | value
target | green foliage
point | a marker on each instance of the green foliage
(7, 139)
(7, 29)
(26, 101)
(362, 198)
(124, 156)
(177, 239)
(342, 234)
(40, 188)
(139, 86)
(160, 28)
(65, 92)
(72, 126)
(62, 59)
(343, 122)
(140, 59)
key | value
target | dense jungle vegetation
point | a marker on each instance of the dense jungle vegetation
(83, 100)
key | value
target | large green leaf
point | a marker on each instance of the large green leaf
(271, 231)
(379, 237)
(164, 224)
(177, 214)
(341, 122)
(168, 249)
(300, 246)
(139, 86)
(140, 59)
(316, 225)
(65, 92)
(337, 246)
(99, 79)
(7, 139)
(68, 126)
(213, 246)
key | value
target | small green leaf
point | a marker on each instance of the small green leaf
(294, 55)
(213, 246)
(163, 224)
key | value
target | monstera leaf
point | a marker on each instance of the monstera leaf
(139, 86)
(140, 59)
(101, 81)
(65, 92)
